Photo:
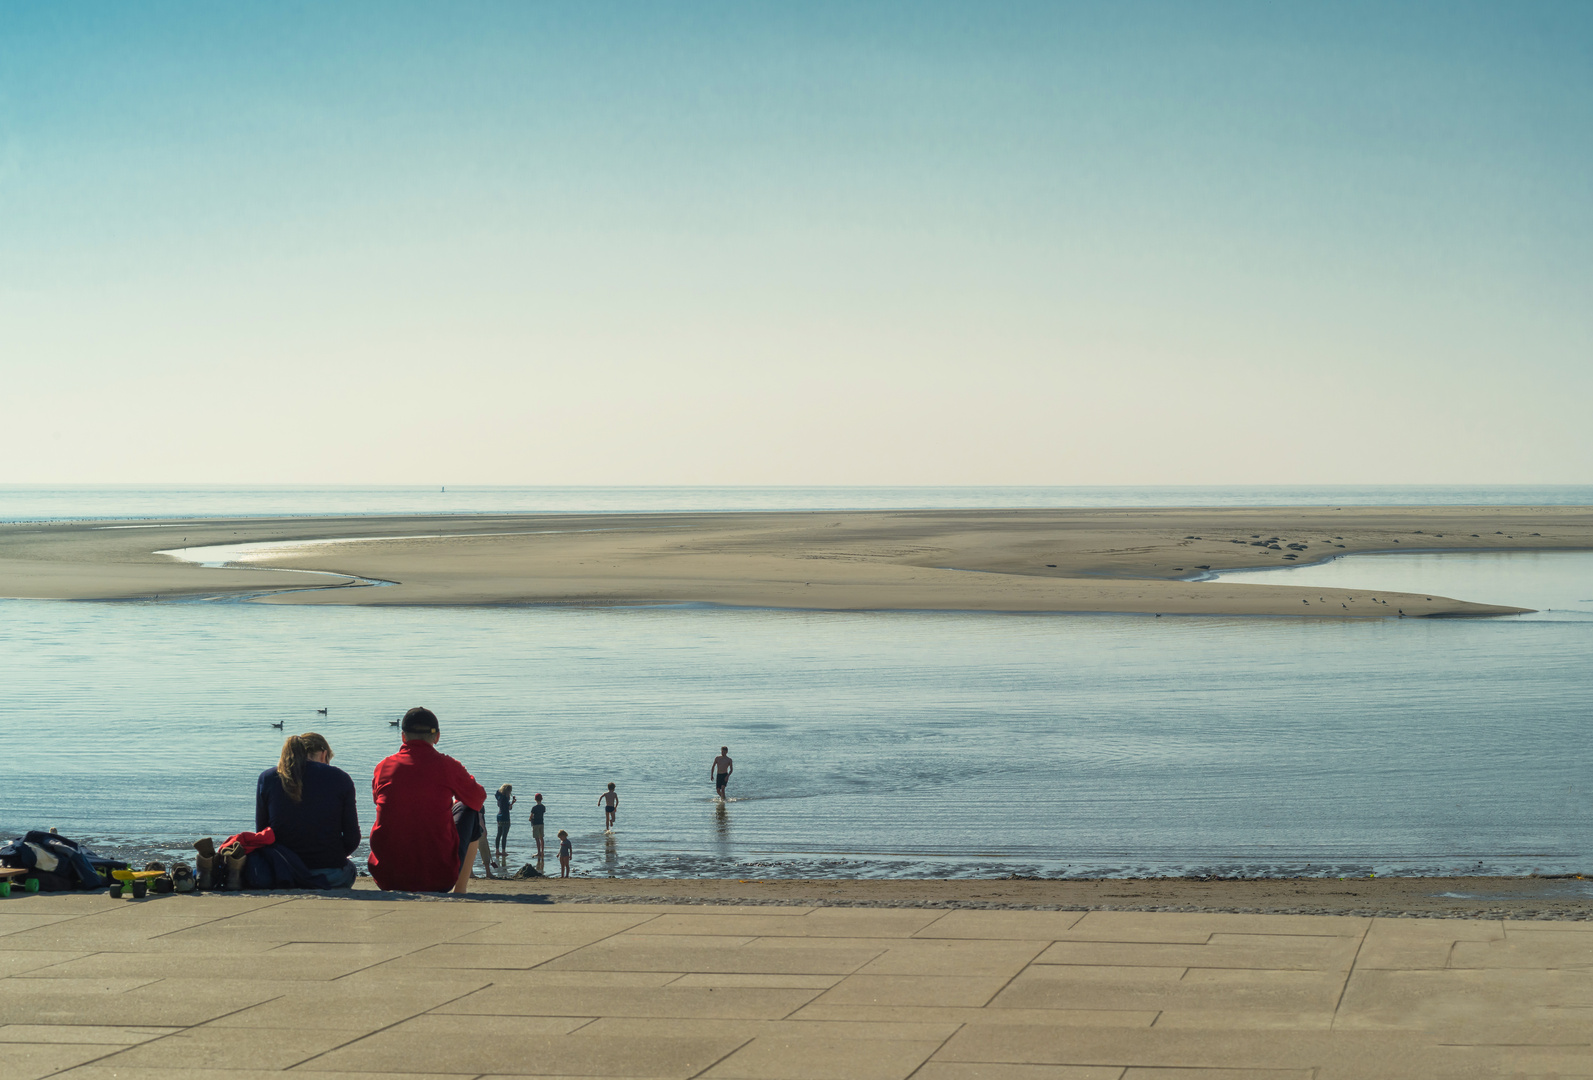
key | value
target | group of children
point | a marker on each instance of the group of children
(609, 800)
(719, 771)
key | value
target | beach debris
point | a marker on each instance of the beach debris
(529, 870)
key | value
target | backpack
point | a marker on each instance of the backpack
(58, 863)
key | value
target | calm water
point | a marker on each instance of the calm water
(888, 744)
(37, 503)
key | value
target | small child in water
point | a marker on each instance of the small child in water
(609, 800)
(565, 851)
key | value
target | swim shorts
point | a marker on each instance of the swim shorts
(722, 780)
(470, 825)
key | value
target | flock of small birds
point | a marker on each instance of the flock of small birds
(323, 712)
(319, 712)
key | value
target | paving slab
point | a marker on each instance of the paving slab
(1196, 927)
(25, 1061)
(823, 922)
(554, 928)
(374, 985)
(922, 990)
(366, 1005)
(81, 1033)
(1273, 951)
(984, 1070)
(812, 1057)
(1404, 944)
(991, 925)
(226, 1048)
(16, 924)
(689, 1002)
(1138, 987)
(480, 1045)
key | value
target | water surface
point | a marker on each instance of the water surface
(888, 744)
(39, 502)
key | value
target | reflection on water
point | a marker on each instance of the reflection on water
(895, 744)
(1558, 584)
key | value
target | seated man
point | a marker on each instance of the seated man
(309, 805)
(422, 841)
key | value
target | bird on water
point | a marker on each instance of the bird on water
(321, 711)
(277, 724)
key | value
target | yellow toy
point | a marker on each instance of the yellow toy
(134, 883)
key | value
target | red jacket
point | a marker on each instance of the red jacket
(414, 846)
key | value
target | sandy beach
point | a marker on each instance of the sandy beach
(1416, 897)
(1125, 561)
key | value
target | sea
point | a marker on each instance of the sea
(884, 744)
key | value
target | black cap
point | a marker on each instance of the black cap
(419, 721)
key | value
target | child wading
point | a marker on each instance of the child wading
(609, 801)
(506, 801)
(538, 812)
(565, 851)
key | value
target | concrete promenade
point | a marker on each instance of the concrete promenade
(367, 984)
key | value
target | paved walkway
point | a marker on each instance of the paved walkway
(374, 986)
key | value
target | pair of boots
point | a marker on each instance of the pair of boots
(219, 870)
(178, 879)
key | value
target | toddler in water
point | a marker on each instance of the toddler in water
(565, 851)
(609, 800)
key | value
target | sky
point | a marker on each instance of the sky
(816, 243)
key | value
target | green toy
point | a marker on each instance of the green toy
(10, 874)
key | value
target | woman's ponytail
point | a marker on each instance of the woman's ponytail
(290, 767)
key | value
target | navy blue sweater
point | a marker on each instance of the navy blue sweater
(324, 828)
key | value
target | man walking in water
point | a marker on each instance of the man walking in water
(720, 770)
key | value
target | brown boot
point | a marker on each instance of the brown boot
(235, 856)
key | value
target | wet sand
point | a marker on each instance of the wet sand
(1126, 561)
(1452, 897)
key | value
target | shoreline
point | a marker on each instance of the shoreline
(1141, 561)
(1561, 897)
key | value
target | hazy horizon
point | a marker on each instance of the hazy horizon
(835, 244)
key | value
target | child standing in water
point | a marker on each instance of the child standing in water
(565, 851)
(538, 812)
(506, 801)
(609, 800)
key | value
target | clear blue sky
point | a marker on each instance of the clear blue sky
(796, 243)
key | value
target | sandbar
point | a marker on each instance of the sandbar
(1144, 561)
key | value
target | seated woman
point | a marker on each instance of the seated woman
(309, 805)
